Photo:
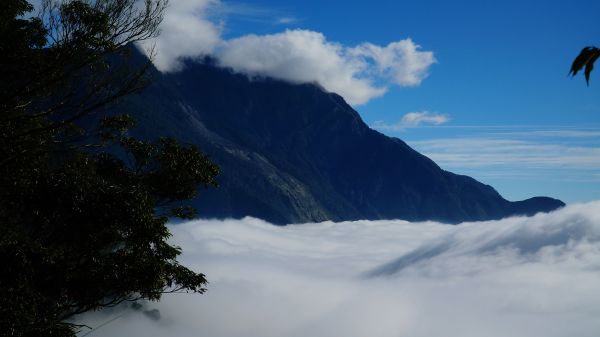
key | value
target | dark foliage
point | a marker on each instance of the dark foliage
(586, 58)
(83, 206)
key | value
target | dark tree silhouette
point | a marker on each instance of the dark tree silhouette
(83, 207)
(586, 59)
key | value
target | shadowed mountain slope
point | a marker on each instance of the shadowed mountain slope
(292, 153)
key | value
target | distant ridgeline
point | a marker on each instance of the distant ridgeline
(293, 153)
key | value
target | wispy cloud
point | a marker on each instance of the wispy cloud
(413, 119)
(287, 20)
(512, 277)
(251, 12)
(518, 160)
(533, 153)
(240, 9)
(524, 154)
(555, 133)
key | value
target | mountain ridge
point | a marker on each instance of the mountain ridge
(292, 153)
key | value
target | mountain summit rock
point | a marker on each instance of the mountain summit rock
(293, 153)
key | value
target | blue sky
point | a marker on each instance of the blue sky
(513, 118)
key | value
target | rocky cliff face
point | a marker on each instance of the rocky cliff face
(294, 153)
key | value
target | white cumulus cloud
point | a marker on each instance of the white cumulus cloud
(302, 56)
(358, 73)
(521, 277)
(402, 61)
(185, 32)
(193, 29)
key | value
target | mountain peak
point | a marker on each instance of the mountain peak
(293, 153)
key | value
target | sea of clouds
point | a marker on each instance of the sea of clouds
(522, 276)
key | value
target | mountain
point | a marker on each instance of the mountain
(293, 153)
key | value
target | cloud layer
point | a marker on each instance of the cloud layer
(528, 276)
(358, 73)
